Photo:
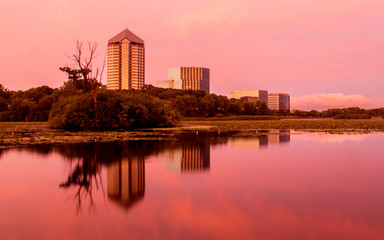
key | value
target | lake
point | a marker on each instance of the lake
(279, 185)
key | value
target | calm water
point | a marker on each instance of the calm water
(276, 186)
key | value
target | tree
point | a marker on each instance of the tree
(4, 93)
(262, 108)
(187, 105)
(84, 76)
(3, 104)
(21, 108)
(250, 108)
(235, 107)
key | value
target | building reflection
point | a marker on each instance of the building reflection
(126, 181)
(262, 140)
(279, 136)
(125, 162)
(250, 142)
(189, 158)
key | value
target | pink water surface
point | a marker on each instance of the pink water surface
(306, 186)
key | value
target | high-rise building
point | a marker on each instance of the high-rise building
(259, 94)
(125, 61)
(279, 102)
(189, 78)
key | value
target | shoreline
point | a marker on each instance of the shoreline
(35, 133)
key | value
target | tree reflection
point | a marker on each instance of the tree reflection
(125, 164)
(84, 175)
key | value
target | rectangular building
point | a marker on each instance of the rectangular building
(165, 84)
(189, 78)
(125, 62)
(279, 102)
(260, 94)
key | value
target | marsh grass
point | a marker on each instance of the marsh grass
(294, 124)
(28, 133)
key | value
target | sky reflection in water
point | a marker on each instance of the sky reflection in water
(202, 186)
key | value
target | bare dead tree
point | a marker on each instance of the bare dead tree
(85, 68)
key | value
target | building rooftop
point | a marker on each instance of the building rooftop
(189, 67)
(278, 94)
(248, 90)
(128, 35)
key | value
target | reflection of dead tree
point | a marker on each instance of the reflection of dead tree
(85, 174)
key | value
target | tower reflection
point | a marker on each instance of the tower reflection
(126, 181)
(189, 157)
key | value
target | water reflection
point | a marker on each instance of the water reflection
(192, 157)
(125, 169)
(126, 181)
(125, 162)
(302, 190)
(263, 140)
(278, 136)
(83, 176)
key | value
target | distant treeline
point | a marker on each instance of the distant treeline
(342, 113)
(74, 106)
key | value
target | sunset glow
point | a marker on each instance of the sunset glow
(299, 47)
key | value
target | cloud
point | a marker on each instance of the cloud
(325, 101)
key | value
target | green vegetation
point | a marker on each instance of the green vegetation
(31, 105)
(234, 118)
(72, 107)
(332, 125)
(191, 103)
(342, 113)
(75, 106)
(26, 133)
(114, 110)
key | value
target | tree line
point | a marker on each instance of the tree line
(73, 106)
(341, 113)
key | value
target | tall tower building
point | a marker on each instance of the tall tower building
(125, 61)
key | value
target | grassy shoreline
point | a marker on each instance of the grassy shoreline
(30, 133)
(319, 124)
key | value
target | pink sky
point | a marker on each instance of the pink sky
(301, 47)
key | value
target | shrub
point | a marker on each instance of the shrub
(141, 110)
(352, 116)
(113, 110)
